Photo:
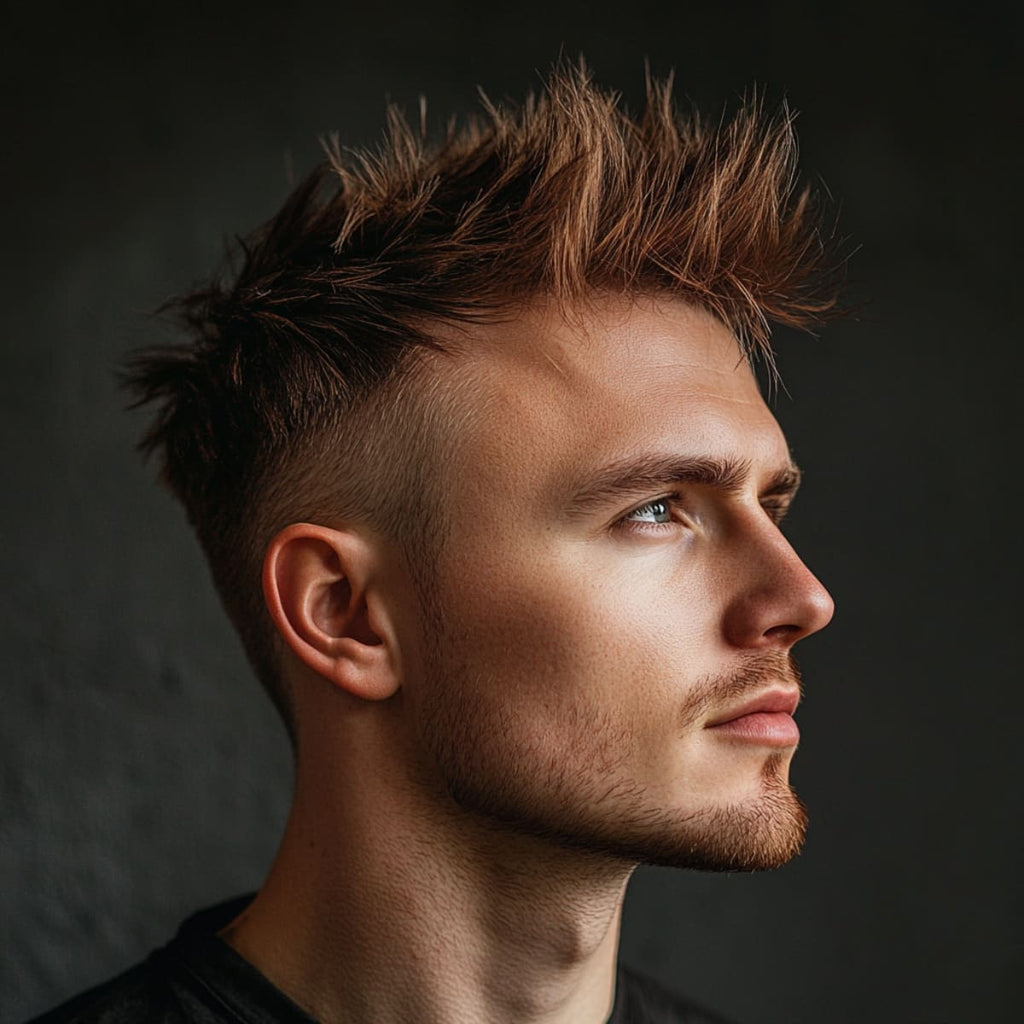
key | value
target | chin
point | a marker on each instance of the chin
(761, 832)
(733, 838)
(736, 838)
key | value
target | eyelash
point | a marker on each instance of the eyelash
(670, 500)
(777, 509)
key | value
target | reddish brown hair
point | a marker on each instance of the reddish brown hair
(296, 397)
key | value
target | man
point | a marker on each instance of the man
(485, 480)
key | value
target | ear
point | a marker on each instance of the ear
(320, 586)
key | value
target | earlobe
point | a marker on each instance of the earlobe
(319, 586)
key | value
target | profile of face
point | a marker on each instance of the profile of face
(615, 594)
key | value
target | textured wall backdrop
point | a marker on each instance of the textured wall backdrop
(142, 772)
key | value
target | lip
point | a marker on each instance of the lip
(766, 719)
(772, 702)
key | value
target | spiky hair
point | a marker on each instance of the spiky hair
(292, 358)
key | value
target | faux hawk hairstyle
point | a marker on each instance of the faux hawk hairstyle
(295, 396)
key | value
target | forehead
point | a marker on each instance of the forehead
(548, 398)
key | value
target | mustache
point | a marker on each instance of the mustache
(717, 691)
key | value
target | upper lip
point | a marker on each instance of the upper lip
(772, 701)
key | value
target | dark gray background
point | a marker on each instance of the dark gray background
(143, 774)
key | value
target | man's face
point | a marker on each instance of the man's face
(613, 585)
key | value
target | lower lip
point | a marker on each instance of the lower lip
(772, 728)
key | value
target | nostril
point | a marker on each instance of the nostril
(786, 632)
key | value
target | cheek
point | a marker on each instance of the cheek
(558, 639)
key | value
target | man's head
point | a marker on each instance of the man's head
(486, 353)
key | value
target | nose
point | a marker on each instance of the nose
(778, 600)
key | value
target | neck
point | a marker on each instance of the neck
(382, 906)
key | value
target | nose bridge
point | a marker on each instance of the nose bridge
(777, 600)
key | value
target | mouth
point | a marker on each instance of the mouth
(765, 719)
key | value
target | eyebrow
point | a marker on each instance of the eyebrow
(644, 474)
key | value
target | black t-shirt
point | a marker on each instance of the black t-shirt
(199, 979)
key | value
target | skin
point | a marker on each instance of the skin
(486, 751)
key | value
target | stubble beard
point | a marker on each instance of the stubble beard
(580, 800)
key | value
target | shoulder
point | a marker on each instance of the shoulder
(140, 994)
(642, 1000)
(184, 982)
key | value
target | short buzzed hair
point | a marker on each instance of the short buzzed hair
(296, 395)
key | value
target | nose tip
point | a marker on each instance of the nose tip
(814, 602)
(815, 612)
(823, 607)
(780, 608)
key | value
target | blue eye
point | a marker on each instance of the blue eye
(653, 512)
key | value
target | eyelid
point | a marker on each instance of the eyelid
(666, 498)
(777, 507)
(672, 500)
